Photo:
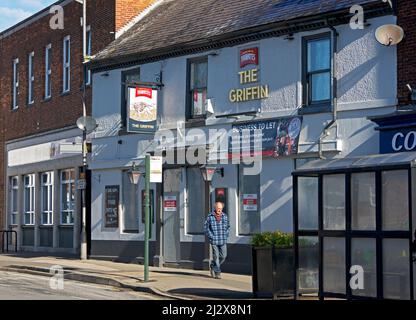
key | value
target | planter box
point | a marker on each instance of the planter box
(273, 272)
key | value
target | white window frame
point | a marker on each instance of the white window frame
(66, 64)
(88, 53)
(48, 71)
(29, 187)
(31, 79)
(15, 104)
(71, 209)
(14, 212)
(48, 185)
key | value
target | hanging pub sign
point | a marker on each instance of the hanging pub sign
(142, 110)
(269, 138)
(112, 198)
(249, 56)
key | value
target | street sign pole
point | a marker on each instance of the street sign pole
(147, 219)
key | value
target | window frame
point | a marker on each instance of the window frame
(14, 212)
(32, 195)
(71, 209)
(124, 94)
(50, 197)
(307, 103)
(15, 84)
(31, 79)
(48, 71)
(66, 65)
(189, 92)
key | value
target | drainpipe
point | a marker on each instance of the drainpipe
(325, 132)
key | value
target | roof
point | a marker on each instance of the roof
(371, 161)
(182, 23)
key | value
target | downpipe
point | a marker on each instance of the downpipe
(325, 131)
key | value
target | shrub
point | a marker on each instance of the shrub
(278, 239)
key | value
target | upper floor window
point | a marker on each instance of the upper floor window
(88, 53)
(67, 64)
(30, 78)
(317, 70)
(15, 84)
(128, 77)
(14, 193)
(29, 200)
(48, 71)
(198, 82)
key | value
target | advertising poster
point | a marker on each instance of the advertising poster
(250, 202)
(112, 197)
(277, 138)
(142, 110)
(169, 203)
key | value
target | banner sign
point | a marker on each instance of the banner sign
(277, 137)
(142, 110)
(112, 198)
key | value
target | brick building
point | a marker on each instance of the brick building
(41, 97)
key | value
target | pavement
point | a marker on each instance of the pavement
(168, 283)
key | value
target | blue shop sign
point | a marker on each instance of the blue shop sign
(397, 132)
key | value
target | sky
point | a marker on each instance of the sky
(14, 11)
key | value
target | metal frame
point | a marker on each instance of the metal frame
(348, 234)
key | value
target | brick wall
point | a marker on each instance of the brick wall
(406, 57)
(126, 10)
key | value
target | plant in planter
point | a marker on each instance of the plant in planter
(273, 264)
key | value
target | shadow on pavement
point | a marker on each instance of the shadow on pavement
(213, 293)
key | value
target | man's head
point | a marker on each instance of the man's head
(218, 207)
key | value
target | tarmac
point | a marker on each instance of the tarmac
(170, 283)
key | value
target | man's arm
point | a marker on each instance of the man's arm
(228, 227)
(207, 229)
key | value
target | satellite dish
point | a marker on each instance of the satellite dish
(87, 124)
(389, 34)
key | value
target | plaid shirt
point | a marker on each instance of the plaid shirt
(217, 232)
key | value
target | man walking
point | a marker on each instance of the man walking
(217, 229)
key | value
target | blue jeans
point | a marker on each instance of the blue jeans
(219, 253)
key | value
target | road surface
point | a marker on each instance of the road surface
(18, 286)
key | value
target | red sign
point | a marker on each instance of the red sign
(220, 192)
(144, 92)
(249, 56)
(250, 202)
(169, 203)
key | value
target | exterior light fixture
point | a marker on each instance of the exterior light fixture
(134, 174)
(389, 34)
(209, 171)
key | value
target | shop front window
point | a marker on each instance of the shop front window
(249, 196)
(14, 211)
(29, 199)
(47, 198)
(196, 201)
(67, 196)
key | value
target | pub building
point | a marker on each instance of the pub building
(319, 83)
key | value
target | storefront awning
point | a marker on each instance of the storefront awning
(379, 160)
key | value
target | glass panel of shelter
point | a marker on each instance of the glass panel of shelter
(351, 224)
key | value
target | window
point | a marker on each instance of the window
(47, 198)
(15, 84)
(14, 193)
(198, 82)
(67, 65)
(31, 79)
(67, 196)
(363, 201)
(29, 200)
(130, 209)
(128, 76)
(249, 195)
(317, 70)
(88, 53)
(308, 203)
(48, 71)
(195, 214)
(334, 202)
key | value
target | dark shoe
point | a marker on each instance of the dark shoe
(218, 276)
